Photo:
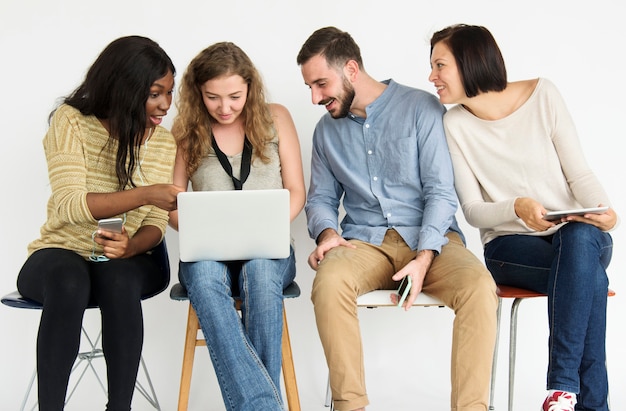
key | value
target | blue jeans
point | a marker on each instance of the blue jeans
(570, 267)
(246, 350)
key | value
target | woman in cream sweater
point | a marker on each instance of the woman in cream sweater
(516, 155)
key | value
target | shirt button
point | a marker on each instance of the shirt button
(367, 126)
(388, 215)
(375, 178)
(369, 152)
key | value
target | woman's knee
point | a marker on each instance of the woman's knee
(581, 234)
(202, 274)
(55, 274)
(585, 242)
(208, 283)
(272, 274)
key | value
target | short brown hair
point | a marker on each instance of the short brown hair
(337, 46)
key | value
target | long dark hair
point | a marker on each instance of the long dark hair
(116, 88)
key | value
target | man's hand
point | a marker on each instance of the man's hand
(326, 241)
(417, 270)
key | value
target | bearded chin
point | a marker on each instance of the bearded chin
(346, 103)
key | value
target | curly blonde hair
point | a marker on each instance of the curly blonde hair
(192, 125)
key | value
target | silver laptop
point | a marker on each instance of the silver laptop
(233, 225)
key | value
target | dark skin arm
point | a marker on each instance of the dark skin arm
(105, 205)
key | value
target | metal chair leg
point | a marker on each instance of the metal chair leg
(149, 396)
(28, 390)
(512, 349)
(329, 400)
(494, 364)
(85, 358)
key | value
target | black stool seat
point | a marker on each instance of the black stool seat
(17, 300)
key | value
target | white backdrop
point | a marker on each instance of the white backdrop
(47, 45)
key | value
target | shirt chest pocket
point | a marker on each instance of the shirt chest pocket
(399, 161)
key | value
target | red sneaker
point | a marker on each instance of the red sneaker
(559, 401)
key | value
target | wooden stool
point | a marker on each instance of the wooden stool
(179, 293)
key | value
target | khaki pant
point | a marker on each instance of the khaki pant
(456, 277)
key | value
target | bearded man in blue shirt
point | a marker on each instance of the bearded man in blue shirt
(381, 146)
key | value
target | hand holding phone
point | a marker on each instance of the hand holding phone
(111, 224)
(404, 289)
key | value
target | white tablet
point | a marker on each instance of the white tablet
(557, 215)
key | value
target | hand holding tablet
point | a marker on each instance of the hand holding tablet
(557, 215)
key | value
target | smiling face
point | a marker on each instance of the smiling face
(225, 97)
(445, 75)
(159, 99)
(329, 86)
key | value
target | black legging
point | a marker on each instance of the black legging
(65, 283)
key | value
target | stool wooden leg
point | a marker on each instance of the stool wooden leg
(192, 341)
(289, 373)
(188, 356)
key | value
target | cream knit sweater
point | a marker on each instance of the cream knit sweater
(534, 152)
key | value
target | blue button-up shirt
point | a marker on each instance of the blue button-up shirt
(392, 168)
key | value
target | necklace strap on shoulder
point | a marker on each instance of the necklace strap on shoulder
(246, 159)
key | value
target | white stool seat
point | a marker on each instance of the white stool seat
(381, 298)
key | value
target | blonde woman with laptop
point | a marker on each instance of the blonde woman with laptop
(230, 138)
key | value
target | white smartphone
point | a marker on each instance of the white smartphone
(111, 224)
(557, 215)
(404, 289)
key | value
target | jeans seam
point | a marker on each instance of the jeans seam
(252, 350)
(553, 302)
